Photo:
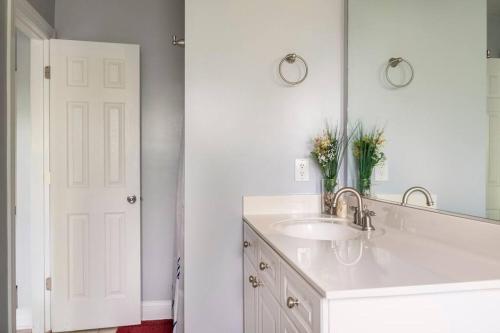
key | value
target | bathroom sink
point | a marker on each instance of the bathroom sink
(317, 229)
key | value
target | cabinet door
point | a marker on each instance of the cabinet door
(268, 317)
(286, 326)
(250, 297)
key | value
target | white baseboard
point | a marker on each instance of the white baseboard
(23, 319)
(157, 310)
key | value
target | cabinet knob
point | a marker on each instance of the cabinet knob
(263, 266)
(256, 283)
(292, 302)
(246, 244)
(252, 279)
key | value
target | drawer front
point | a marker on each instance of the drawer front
(301, 303)
(269, 268)
(250, 244)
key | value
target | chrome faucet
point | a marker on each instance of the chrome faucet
(362, 216)
(411, 190)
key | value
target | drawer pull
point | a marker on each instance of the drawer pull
(252, 279)
(263, 266)
(246, 244)
(292, 302)
(256, 283)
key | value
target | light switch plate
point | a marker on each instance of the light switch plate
(302, 170)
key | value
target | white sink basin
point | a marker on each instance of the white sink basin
(317, 229)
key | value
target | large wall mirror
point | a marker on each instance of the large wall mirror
(442, 129)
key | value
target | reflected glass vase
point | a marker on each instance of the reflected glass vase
(364, 186)
(328, 188)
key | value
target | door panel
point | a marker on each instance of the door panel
(269, 312)
(250, 297)
(286, 326)
(95, 165)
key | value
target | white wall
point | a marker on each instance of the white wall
(148, 23)
(23, 172)
(244, 129)
(436, 128)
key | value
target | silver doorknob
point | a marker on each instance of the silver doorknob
(131, 199)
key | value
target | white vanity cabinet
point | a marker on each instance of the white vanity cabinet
(417, 272)
(276, 298)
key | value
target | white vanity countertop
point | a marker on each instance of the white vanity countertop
(392, 261)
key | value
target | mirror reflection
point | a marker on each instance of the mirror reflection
(428, 72)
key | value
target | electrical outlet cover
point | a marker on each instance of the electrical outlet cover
(302, 170)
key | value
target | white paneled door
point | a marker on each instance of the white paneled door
(95, 185)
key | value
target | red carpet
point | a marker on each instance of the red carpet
(152, 326)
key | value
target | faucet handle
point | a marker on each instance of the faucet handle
(369, 212)
(366, 223)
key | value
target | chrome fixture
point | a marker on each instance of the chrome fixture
(291, 58)
(131, 199)
(362, 216)
(254, 281)
(424, 191)
(178, 42)
(393, 63)
(292, 302)
(263, 266)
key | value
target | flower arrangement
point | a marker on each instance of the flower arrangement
(328, 152)
(367, 151)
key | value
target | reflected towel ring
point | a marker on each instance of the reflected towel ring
(291, 58)
(394, 62)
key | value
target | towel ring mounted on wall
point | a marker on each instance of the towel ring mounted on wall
(393, 63)
(291, 58)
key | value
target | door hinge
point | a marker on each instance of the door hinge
(48, 283)
(46, 72)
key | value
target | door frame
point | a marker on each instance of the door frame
(27, 20)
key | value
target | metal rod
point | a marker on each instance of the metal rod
(178, 42)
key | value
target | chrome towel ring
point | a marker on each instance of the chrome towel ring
(394, 62)
(291, 58)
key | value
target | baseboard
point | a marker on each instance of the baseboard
(156, 310)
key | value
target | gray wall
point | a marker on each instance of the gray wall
(4, 288)
(45, 8)
(244, 129)
(148, 23)
(437, 127)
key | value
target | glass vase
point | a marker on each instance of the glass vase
(364, 186)
(328, 188)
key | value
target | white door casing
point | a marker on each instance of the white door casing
(94, 165)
